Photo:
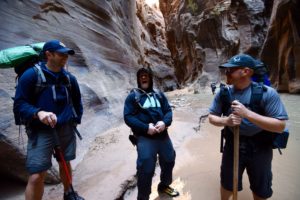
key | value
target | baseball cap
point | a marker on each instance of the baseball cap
(240, 60)
(57, 46)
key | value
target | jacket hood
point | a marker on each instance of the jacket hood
(149, 72)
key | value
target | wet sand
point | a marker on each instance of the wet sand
(109, 166)
(196, 173)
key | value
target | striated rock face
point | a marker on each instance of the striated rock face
(281, 48)
(202, 34)
(112, 39)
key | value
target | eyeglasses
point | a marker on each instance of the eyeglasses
(231, 70)
(61, 54)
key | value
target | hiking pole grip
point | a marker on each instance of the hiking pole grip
(236, 141)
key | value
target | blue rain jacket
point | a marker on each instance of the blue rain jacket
(27, 103)
(149, 109)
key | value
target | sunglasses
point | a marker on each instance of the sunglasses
(231, 70)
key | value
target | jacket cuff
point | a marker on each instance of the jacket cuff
(35, 116)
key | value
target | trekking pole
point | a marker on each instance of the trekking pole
(236, 141)
(60, 158)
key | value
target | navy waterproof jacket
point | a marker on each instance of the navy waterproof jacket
(138, 118)
(27, 103)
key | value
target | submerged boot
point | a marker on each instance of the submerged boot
(167, 190)
(72, 196)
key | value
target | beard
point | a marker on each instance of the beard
(229, 80)
(145, 85)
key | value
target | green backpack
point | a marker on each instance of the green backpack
(21, 57)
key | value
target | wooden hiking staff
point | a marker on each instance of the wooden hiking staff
(236, 141)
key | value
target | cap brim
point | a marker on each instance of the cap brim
(66, 51)
(228, 65)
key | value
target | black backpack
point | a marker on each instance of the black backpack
(138, 92)
(261, 73)
(279, 140)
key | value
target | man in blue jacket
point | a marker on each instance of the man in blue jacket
(55, 108)
(148, 114)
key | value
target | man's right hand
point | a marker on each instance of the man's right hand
(48, 118)
(233, 120)
(151, 130)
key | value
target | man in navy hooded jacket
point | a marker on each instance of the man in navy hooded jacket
(148, 114)
(56, 107)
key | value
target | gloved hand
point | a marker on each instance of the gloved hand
(160, 126)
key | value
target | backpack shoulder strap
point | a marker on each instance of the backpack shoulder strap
(225, 97)
(158, 94)
(41, 82)
(137, 94)
(69, 95)
(68, 88)
(257, 90)
(137, 97)
(40, 73)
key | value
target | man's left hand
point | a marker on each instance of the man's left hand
(160, 126)
(239, 109)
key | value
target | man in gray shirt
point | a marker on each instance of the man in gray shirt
(255, 126)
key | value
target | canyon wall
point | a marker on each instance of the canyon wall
(202, 34)
(112, 39)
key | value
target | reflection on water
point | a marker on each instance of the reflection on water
(178, 184)
(292, 106)
(286, 174)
